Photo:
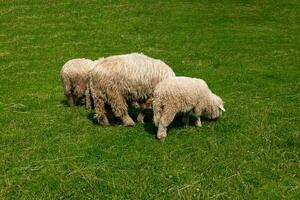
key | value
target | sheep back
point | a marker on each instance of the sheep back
(134, 75)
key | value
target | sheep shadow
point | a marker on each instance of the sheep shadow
(177, 123)
(148, 125)
(113, 121)
(64, 103)
(150, 128)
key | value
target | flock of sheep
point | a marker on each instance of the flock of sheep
(122, 80)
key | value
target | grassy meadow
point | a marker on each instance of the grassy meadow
(247, 51)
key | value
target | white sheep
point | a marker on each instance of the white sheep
(183, 95)
(119, 79)
(74, 76)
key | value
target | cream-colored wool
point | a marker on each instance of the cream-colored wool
(74, 76)
(119, 79)
(183, 95)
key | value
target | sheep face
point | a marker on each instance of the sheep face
(214, 108)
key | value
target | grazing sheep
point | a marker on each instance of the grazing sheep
(183, 95)
(74, 76)
(120, 79)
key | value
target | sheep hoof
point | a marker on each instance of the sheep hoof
(161, 136)
(127, 121)
(103, 121)
(129, 124)
(198, 124)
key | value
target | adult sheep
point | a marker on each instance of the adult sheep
(183, 95)
(119, 79)
(75, 79)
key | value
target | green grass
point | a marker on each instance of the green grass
(247, 51)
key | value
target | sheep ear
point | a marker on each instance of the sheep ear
(222, 108)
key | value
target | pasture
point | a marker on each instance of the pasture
(247, 51)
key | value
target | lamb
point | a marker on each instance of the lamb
(120, 79)
(74, 76)
(183, 95)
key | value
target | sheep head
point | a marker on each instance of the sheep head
(214, 107)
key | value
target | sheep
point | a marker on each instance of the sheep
(120, 79)
(74, 76)
(183, 95)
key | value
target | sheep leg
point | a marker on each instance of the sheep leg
(119, 107)
(68, 91)
(127, 120)
(143, 106)
(71, 101)
(146, 104)
(198, 122)
(157, 112)
(162, 132)
(156, 117)
(186, 118)
(141, 116)
(165, 120)
(100, 112)
(80, 91)
(197, 112)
